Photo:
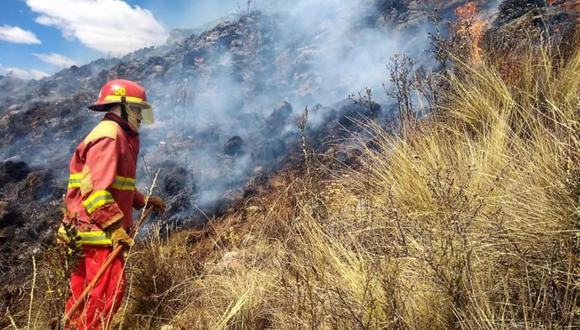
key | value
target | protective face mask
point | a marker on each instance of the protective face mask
(135, 116)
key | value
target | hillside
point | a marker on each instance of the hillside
(469, 220)
(455, 207)
(226, 104)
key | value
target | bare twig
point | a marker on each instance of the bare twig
(32, 291)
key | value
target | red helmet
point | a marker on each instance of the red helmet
(119, 91)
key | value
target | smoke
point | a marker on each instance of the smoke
(244, 80)
(345, 49)
(232, 79)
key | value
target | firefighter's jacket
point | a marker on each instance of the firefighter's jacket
(101, 187)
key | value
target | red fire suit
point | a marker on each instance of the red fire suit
(101, 191)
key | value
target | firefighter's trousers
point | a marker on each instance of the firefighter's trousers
(98, 309)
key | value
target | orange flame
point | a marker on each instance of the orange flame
(467, 10)
(472, 26)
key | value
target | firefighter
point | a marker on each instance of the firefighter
(100, 197)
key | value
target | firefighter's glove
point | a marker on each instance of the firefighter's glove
(157, 203)
(119, 235)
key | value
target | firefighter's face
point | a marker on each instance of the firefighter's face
(135, 116)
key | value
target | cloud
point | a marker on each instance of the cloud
(23, 73)
(17, 35)
(109, 26)
(58, 60)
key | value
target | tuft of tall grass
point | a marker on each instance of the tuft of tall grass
(478, 210)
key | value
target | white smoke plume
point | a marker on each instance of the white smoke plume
(307, 53)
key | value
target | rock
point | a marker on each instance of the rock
(234, 146)
(13, 171)
(280, 113)
(175, 181)
(277, 119)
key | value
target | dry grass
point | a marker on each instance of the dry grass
(470, 221)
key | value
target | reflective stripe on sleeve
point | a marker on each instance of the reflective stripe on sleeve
(97, 237)
(97, 199)
(74, 180)
(124, 183)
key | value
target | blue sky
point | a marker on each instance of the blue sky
(39, 37)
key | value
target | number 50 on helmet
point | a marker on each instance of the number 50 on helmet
(120, 91)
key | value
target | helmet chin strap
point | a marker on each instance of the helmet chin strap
(124, 114)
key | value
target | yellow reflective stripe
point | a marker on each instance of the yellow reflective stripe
(117, 98)
(123, 183)
(91, 234)
(97, 199)
(74, 180)
(125, 178)
(95, 241)
(97, 237)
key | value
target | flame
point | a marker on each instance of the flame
(472, 26)
(467, 10)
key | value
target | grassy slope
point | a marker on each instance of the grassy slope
(470, 221)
